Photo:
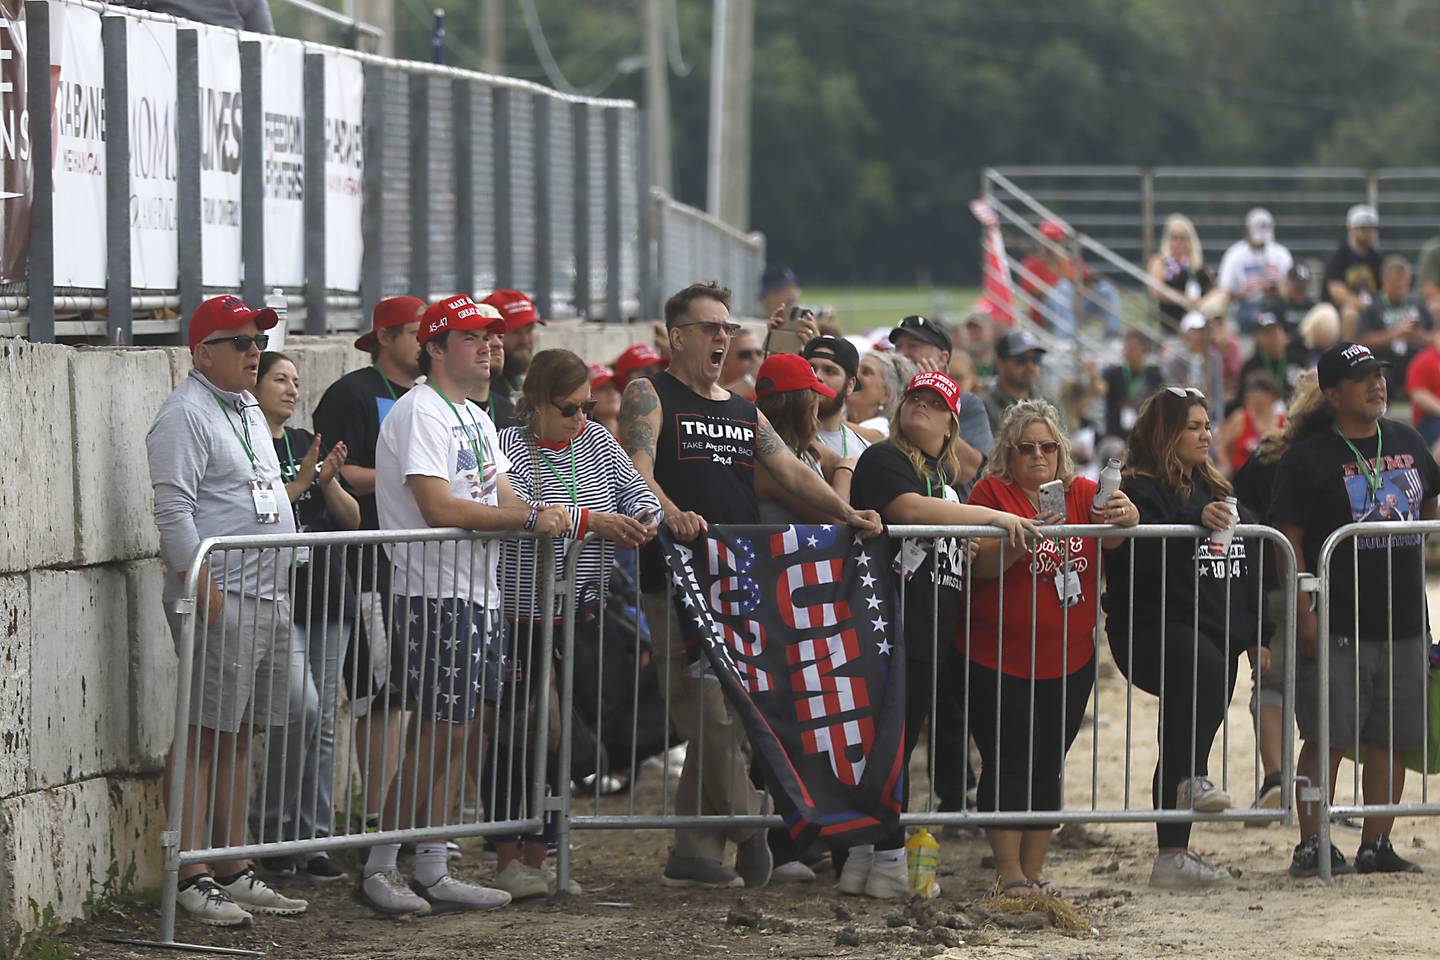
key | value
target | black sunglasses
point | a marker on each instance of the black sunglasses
(242, 343)
(569, 410)
(1029, 447)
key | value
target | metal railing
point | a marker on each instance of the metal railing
(441, 180)
(615, 800)
(692, 245)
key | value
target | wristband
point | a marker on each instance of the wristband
(534, 515)
(839, 468)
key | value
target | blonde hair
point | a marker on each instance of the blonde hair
(949, 458)
(1321, 315)
(1307, 402)
(1017, 418)
(1178, 221)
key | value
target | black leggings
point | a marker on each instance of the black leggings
(1198, 681)
(1012, 775)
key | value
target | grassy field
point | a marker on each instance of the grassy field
(864, 308)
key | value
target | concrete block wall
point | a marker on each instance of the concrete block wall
(87, 664)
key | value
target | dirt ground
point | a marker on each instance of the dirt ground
(625, 912)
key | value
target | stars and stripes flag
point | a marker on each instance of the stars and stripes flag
(805, 642)
(999, 297)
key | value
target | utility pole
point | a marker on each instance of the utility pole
(492, 36)
(728, 160)
(657, 95)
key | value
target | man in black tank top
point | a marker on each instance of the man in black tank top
(696, 444)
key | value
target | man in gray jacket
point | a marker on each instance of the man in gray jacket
(215, 473)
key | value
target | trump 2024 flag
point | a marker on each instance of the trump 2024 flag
(798, 624)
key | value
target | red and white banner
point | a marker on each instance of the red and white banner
(999, 297)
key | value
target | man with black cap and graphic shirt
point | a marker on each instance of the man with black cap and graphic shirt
(696, 445)
(1018, 356)
(836, 363)
(926, 344)
(1346, 464)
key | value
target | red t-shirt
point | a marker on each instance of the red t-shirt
(1423, 372)
(1050, 636)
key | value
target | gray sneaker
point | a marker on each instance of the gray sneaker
(1202, 794)
(1186, 871)
(257, 896)
(698, 872)
(792, 871)
(387, 894)
(448, 895)
(204, 901)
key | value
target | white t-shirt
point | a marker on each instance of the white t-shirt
(1242, 263)
(880, 424)
(422, 437)
(845, 442)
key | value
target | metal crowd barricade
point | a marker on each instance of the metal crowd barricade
(1411, 534)
(616, 797)
(494, 773)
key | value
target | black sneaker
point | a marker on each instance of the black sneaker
(1306, 860)
(1271, 792)
(322, 868)
(1380, 857)
(279, 866)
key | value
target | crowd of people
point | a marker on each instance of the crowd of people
(459, 423)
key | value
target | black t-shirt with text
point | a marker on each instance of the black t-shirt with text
(1320, 486)
(1359, 272)
(351, 410)
(882, 474)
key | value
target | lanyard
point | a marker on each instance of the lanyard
(1131, 380)
(290, 455)
(572, 485)
(465, 428)
(943, 484)
(1277, 370)
(844, 440)
(1371, 471)
(385, 381)
(245, 439)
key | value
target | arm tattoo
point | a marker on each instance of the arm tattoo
(639, 405)
(767, 441)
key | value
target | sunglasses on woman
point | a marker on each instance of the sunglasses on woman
(242, 343)
(747, 354)
(1030, 447)
(568, 410)
(1183, 392)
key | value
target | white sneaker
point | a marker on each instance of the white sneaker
(448, 895)
(792, 871)
(521, 882)
(387, 894)
(207, 902)
(1203, 795)
(1186, 871)
(552, 882)
(257, 896)
(854, 874)
(887, 881)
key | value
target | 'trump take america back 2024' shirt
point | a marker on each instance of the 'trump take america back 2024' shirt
(1321, 485)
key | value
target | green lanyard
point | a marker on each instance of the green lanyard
(844, 440)
(1277, 370)
(572, 485)
(1371, 471)
(943, 484)
(290, 455)
(244, 440)
(465, 428)
(1131, 380)
(384, 380)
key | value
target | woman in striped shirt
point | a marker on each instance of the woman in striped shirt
(559, 457)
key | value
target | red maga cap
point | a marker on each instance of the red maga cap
(601, 376)
(390, 312)
(517, 309)
(786, 373)
(941, 384)
(226, 313)
(459, 313)
(638, 357)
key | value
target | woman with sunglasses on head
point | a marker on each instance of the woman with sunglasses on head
(909, 479)
(1027, 685)
(558, 457)
(297, 800)
(1179, 612)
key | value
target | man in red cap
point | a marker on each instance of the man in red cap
(520, 319)
(637, 362)
(352, 410)
(1046, 266)
(215, 473)
(438, 463)
(605, 391)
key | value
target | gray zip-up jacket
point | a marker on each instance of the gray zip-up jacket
(201, 476)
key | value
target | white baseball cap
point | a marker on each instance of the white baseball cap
(1361, 215)
(1260, 224)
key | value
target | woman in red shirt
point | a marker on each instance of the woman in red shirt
(1031, 650)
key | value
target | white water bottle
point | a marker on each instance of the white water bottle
(1109, 483)
(1220, 539)
(277, 302)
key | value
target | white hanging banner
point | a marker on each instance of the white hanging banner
(220, 118)
(154, 230)
(78, 135)
(344, 165)
(283, 100)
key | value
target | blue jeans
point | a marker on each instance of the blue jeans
(297, 798)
